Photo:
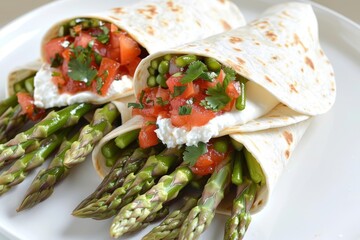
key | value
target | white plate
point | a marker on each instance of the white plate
(317, 197)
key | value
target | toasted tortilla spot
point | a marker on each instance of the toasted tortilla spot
(207, 50)
(222, 1)
(240, 60)
(331, 74)
(293, 89)
(118, 10)
(288, 137)
(287, 153)
(309, 63)
(302, 69)
(285, 13)
(226, 25)
(297, 41)
(257, 43)
(268, 79)
(198, 22)
(274, 58)
(237, 49)
(321, 52)
(150, 30)
(164, 23)
(149, 12)
(173, 7)
(272, 36)
(234, 40)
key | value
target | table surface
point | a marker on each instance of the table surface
(14, 8)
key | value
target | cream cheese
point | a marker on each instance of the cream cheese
(258, 102)
(46, 94)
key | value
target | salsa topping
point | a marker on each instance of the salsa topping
(89, 54)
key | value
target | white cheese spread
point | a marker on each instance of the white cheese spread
(46, 94)
(258, 103)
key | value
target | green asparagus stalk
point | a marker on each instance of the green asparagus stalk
(155, 167)
(7, 103)
(201, 216)
(20, 169)
(170, 228)
(239, 221)
(133, 214)
(118, 173)
(44, 183)
(91, 134)
(54, 121)
(152, 218)
(11, 120)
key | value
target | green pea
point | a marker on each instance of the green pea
(151, 81)
(221, 146)
(95, 22)
(154, 63)
(212, 64)
(185, 60)
(161, 80)
(163, 67)
(167, 57)
(152, 71)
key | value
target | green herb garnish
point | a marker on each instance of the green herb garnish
(178, 90)
(79, 66)
(104, 37)
(56, 61)
(216, 99)
(185, 110)
(139, 105)
(161, 102)
(193, 72)
(192, 153)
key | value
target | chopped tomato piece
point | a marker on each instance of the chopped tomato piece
(53, 47)
(82, 40)
(26, 102)
(107, 71)
(199, 116)
(133, 65)
(129, 49)
(147, 136)
(233, 90)
(207, 162)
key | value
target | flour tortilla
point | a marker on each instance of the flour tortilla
(156, 25)
(280, 52)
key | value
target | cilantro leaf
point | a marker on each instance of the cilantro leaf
(230, 75)
(185, 110)
(192, 153)
(140, 104)
(217, 98)
(104, 37)
(80, 68)
(208, 76)
(194, 70)
(161, 101)
(178, 90)
(56, 61)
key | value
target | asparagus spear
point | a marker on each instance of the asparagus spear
(43, 184)
(115, 178)
(133, 214)
(11, 120)
(169, 228)
(201, 216)
(152, 218)
(239, 221)
(91, 134)
(19, 170)
(54, 121)
(155, 167)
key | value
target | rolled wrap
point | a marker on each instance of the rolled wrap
(279, 53)
(155, 25)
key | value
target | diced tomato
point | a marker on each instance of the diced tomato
(133, 65)
(221, 76)
(229, 106)
(129, 49)
(82, 40)
(58, 80)
(173, 81)
(113, 28)
(26, 102)
(107, 71)
(207, 162)
(199, 116)
(147, 136)
(53, 47)
(233, 90)
(66, 54)
(99, 48)
(189, 91)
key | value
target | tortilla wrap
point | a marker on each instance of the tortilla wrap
(155, 25)
(280, 54)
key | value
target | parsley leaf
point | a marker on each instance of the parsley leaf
(216, 99)
(139, 105)
(192, 153)
(56, 61)
(194, 70)
(178, 90)
(80, 68)
(185, 110)
(230, 75)
(161, 101)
